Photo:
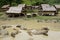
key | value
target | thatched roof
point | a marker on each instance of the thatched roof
(47, 7)
(14, 10)
(57, 6)
(6, 6)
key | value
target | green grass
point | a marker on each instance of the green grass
(27, 2)
(42, 18)
(47, 17)
(31, 11)
(38, 17)
(1, 13)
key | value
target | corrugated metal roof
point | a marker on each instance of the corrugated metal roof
(21, 5)
(17, 9)
(14, 10)
(5, 6)
(57, 6)
(47, 7)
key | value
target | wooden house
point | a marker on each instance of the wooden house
(15, 11)
(47, 10)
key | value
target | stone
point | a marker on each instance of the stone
(18, 26)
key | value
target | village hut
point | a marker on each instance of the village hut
(58, 8)
(47, 9)
(13, 11)
(16, 11)
(5, 7)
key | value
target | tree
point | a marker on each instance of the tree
(18, 1)
(28, 2)
(10, 2)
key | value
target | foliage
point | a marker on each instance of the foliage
(28, 2)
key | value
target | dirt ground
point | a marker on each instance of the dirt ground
(31, 24)
(53, 34)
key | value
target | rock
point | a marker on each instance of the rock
(45, 34)
(23, 28)
(54, 21)
(38, 32)
(14, 29)
(35, 32)
(6, 26)
(30, 39)
(29, 32)
(18, 26)
(44, 31)
(13, 35)
(38, 20)
(0, 31)
(4, 32)
(45, 28)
